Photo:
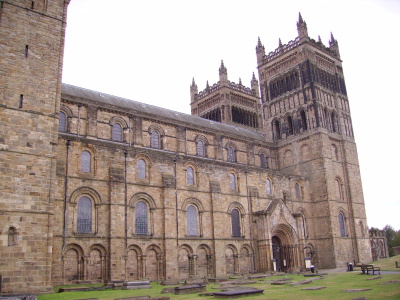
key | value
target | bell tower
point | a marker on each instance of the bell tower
(228, 102)
(31, 44)
(307, 116)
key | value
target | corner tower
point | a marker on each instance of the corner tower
(228, 102)
(307, 116)
(31, 44)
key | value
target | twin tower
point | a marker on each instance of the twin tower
(299, 105)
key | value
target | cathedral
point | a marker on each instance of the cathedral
(95, 187)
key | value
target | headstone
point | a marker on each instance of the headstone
(133, 285)
(189, 289)
(238, 292)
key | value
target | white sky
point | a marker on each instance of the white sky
(149, 51)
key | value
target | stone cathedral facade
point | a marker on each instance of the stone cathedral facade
(95, 187)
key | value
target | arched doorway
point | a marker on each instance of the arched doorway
(276, 254)
(286, 251)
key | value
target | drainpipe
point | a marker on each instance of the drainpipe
(176, 203)
(65, 197)
(79, 118)
(126, 199)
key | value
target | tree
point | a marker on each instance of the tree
(393, 238)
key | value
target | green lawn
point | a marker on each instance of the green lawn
(334, 283)
(388, 264)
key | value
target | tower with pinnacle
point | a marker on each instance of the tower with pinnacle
(228, 102)
(307, 116)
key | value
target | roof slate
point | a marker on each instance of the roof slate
(135, 107)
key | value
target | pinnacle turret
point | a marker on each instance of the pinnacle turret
(254, 85)
(193, 90)
(223, 73)
(260, 51)
(302, 29)
(334, 46)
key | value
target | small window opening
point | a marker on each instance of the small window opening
(21, 100)
(26, 50)
(32, 4)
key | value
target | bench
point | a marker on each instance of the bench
(366, 269)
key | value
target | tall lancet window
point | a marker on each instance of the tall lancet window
(191, 221)
(84, 221)
(141, 222)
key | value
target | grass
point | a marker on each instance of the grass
(334, 283)
(388, 264)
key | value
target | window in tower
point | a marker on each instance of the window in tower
(200, 148)
(303, 120)
(231, 154)
(84, 220)
(12, 236)
(235, 220)
(277, 130)
(86, 162)
(342, 224)
(141, 167)
(333, 121)
(155, 139)
(232, 181)
(268, 186)
(191, 221)
(141, 219)
(189, 176)
(263, 161)
(290, 125)
(116, 132)
(62, 125)
(297, 190)
(21, 101)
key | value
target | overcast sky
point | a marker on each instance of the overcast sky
(149, 51)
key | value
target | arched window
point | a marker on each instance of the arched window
(338, 188)
(86, 161)
(297, 190)
(231, 154)
(290, 125)
(141, 220)
(342, 225)
(200, 148)
(62, 125)
(235, 220)
(189, 176)
(191, 221)
(333, 121)
(84, 220)
(268, 186)
(155, 139)
(303, 120)
(277, 130)
(141, 165)
(116, 132)
(335, 154)
(12, 236)
(263, 161)
(232, 181)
